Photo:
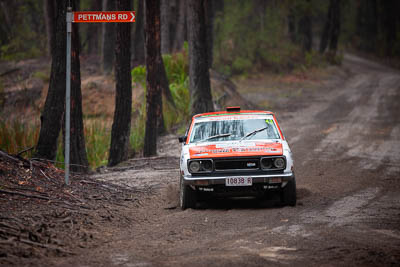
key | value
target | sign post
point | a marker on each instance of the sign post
(68, 95)
(84, 17)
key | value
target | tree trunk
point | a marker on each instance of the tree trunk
(367, 25)
(335, 28)
(180, 26)
(108, 39)
(53, 111)
(123, 100)
(199, 76)
(391, 22)
(165, 27)
(79, 162)
(327, 30)
(138, 53)
(292, 25)
(209, 20)
(305, 28)
(49, 13)
(154, 68)
(93, 30)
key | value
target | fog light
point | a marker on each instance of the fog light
(201, 182)
(275, 180)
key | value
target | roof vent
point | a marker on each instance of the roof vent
(233, 109)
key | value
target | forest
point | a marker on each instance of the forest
(159, 67)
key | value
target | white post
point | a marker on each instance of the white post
(68, 95)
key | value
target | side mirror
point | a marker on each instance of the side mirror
(182, 139)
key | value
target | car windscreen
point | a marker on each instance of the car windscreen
(231, 130)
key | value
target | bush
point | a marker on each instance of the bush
(177, 70)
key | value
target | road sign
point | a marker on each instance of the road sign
(84, 17)
(103, 16)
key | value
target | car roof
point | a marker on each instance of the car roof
(241, 112)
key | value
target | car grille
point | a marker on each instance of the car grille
(244, 164)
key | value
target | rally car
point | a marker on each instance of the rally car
(235, 153)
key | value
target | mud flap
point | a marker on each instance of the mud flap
(187, 196)
(288, 194)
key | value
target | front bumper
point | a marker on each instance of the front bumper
(220, 179)
(215, 185)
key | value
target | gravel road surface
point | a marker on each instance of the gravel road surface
(345, 137)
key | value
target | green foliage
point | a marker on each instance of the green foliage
(26, 35)
(177, 70)
(45, 77)
(17, 135)
(249, 36)
(98, 138)
(139, 75)
(138, 129)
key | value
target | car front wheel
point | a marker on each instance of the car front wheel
(187, 196)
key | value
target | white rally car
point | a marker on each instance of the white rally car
(235, 153)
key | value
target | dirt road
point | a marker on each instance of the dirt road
(345, 136)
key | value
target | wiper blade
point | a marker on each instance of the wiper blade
(216, 136)
(253, 132)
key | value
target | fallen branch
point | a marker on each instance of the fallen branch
(8, 156)
(9, 71)
(25, 150)
(22, 194)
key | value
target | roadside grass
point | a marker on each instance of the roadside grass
(17, 135)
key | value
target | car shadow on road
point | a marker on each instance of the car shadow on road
(267, 202)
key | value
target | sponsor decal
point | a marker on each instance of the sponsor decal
(235, 144)
(224, 151)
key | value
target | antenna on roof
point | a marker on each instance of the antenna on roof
(233, 109)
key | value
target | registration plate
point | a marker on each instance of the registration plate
(238, 181)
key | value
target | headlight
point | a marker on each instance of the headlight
(266, 163)
(279, 163)
(200, 166)
(207, 165)
(194, 166)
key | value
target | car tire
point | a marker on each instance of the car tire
(288, 195)
(187, 196)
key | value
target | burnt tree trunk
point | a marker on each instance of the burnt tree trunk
(165, 27)
(367, 25)
(94, 30)
(180, 26)
(79, 162)
(138, 53)
(209, 20)
(49, 15)
(53, 111)
(327, 30)
(305, 28)
(154, 81)
(335, 28)
(391, 21)
(199, 76)
(123, 100)
(108, 39)
(292, 25)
